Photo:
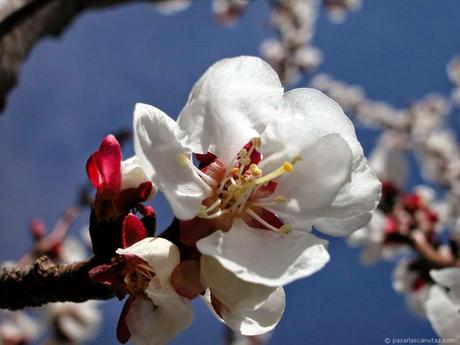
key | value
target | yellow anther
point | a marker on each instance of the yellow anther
(287, 166)
(257, 142)
(182, 159)
(286, 229)
(243, 153)
(280, 199)
(255, 170)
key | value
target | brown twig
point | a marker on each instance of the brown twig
(46, 282)
(55, 237)
(23, 26)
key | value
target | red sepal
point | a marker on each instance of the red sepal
(123, 333)
(191, 231)
(104, 166)
(133, 231)
(186, 279)
(92, 170)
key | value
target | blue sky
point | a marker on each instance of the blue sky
(82, 86)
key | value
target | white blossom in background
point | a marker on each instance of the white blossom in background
(450, 279)
(74, 323)
(171, 7)
(370, 239)
(17, 327)
(428, 114)
(228, 11)
(352, 99)
(417, 218)
(292, 53)
(337, 9)
(348, 96)
(453, 72)
(414, 288)
(443, 313)
(388, 160)
(299, 145)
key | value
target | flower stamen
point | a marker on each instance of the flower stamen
(283, 169)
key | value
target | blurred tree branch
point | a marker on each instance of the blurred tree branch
(46, 282)
(23, 23)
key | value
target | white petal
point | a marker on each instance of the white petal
(162, 255)
(354, 205)
(448, 277)
(443, 314)
(259, 320)
(265, 257)
(158, 319)
(256, 321)
(315, 180)
(160, 143)
(229, 289)
(229, 105)
(132, 173)
(307, 115)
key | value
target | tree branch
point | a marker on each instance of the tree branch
(24, 23)
(46, 282)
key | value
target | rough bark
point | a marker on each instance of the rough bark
(25, 23)
(46, 282)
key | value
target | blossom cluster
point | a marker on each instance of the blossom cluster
(290, 51)
(248, 171)
(411, 226)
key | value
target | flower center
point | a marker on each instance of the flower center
(137, 277)
(241, 186)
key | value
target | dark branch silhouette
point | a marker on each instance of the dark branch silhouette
(23, 25)
(46, 282)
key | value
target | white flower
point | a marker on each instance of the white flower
(18, 328)
(155, 313)
(449, 278)
(77, 322)
(443, 313)
(407, 281)
(388, 160)
(371, 238)
(284, 163)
